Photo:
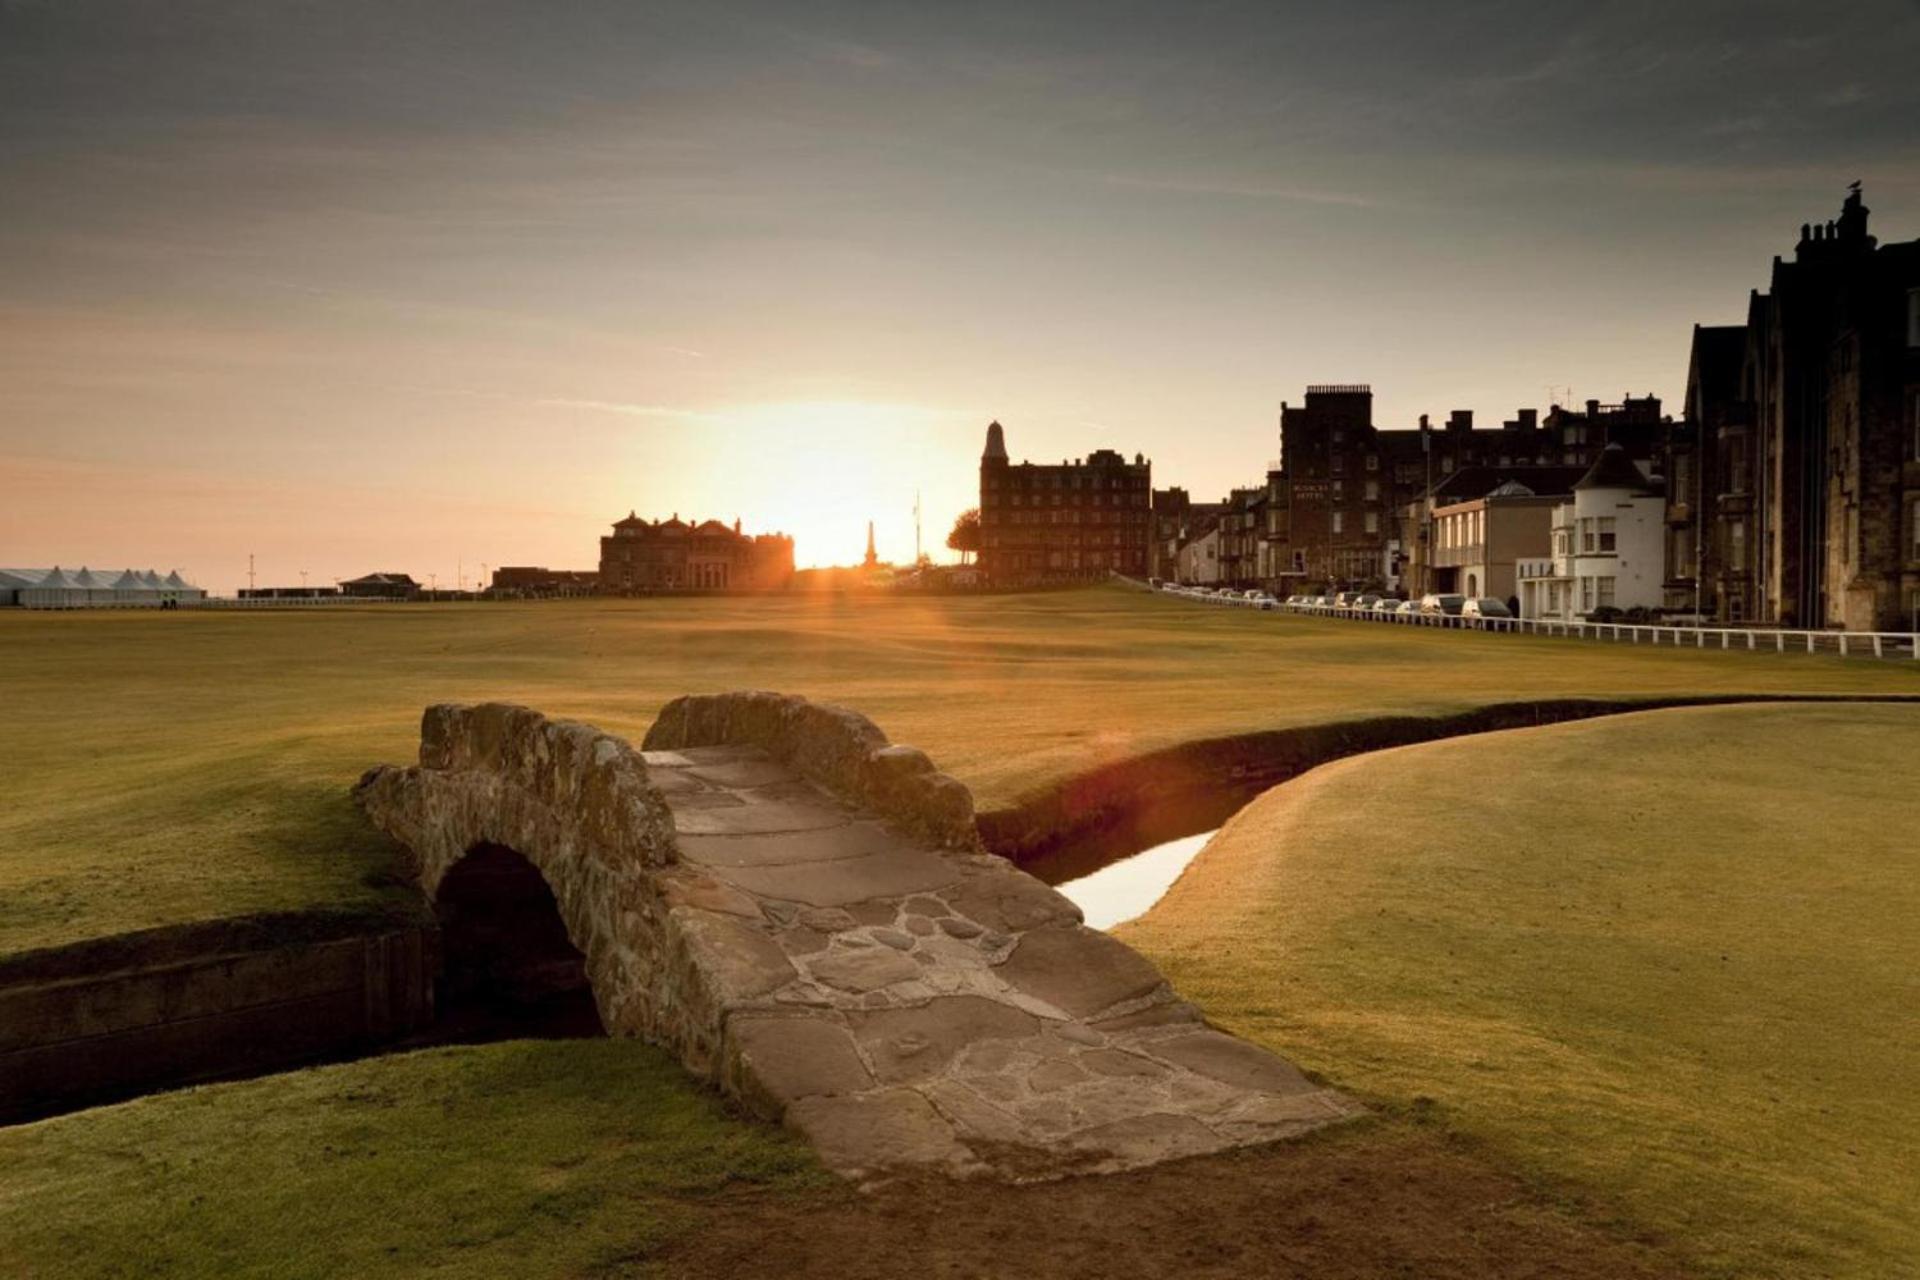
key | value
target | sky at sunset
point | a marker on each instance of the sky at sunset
(393, 285)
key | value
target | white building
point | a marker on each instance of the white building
(1608, 546)
(58, 588)
(1198, 562)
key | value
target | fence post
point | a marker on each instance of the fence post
(1876, 645)
(1780, 641)
(1809, 642)
(1725, 636)
(1843, 644)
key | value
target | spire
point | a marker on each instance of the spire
(996, 444)
(873, 559)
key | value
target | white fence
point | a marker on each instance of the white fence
(1847, 644)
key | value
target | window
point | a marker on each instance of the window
(1373, 522)
(1606, 533)
(1373, 462)
(1603, 590)
(1587, 540)
(1337, 521)
(1737, 544)
(1586, 595)
(1373, 491)
(1339, 463)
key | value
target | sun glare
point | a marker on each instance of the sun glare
(820, 470)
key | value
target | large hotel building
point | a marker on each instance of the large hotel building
(1076, 521)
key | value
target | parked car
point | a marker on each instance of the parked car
(1386, 605)
(1364, 600)
(1485, 607)
(1405, 609)
(1445, 602)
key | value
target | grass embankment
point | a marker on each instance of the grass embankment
(598, 1158)
(527, 1158)
(164, 768)
(1666, 959)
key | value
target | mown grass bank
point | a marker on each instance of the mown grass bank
(1665, 960)
(165, 768)
(526, 1158)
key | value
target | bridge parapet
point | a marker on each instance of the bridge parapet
(840, 749)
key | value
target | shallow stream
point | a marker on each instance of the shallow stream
(1129, 887)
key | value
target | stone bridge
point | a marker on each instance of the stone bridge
(803, 913)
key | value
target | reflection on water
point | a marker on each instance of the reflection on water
(1127, 888)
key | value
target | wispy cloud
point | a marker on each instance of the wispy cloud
(675, 412)
(1239, 190)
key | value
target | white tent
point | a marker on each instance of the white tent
(56, 588)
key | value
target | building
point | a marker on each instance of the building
(1178, 521)
(1477, 544)
(1431, 556)
(643, 556)
(1074, 522)
(1796, 475)
(529, 582)
(381, 586)
(1607, 550)
(1345, 488)
(1198, 563)
(82, 588)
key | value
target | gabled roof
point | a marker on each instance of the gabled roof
(1469, 483)
(1718, 353)
(1615, 470)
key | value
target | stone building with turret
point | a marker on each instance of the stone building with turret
(1074, 522)
(1795, 479)
(644, 556)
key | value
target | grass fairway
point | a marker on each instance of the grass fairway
(529, 1158)
(184, 766)
(1666, 959)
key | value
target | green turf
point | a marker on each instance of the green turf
(1666, 959)
(534, 1157)
(183, 766)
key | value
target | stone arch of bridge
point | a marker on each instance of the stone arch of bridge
(509, 963)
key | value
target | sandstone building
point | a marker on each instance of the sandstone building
(1796, 476)
(643, 556)
(1073, 522)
